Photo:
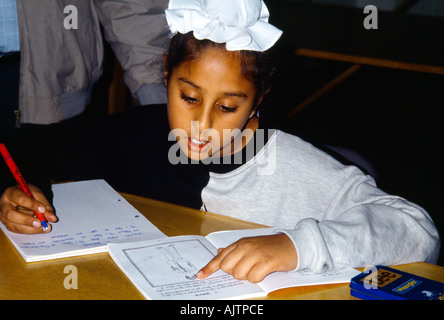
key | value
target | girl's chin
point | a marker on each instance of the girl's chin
(198, 156)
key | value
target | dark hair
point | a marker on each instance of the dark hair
(256, 67)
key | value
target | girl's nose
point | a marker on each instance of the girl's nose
(204, 118)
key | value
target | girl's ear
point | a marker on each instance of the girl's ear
(165, 69)
(258, 103)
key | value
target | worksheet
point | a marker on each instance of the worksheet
(91, 214)
(166, 269)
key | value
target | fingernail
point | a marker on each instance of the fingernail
(41, 209)
(199, 274)
(36, 224)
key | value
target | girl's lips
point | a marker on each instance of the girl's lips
(199, 146)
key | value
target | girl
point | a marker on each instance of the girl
(217, 75)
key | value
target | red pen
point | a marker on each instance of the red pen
(21, 181)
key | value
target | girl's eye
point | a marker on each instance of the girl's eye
(189, 99)
(226, 109)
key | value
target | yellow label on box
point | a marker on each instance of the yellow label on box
(381, 278)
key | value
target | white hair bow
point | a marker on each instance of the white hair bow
(241, 24)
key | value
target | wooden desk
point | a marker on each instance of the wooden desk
(100, 278)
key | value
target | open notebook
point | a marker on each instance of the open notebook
(165, 269)
(91, 215)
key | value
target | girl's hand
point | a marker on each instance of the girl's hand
(254, 258)
(17, 210)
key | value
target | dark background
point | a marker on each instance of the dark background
(392, 117)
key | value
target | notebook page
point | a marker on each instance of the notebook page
(91, 214)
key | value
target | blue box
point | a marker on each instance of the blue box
(384, 283)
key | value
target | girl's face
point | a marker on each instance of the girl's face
(208, 99)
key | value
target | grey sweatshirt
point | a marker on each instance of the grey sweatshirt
(334, 214)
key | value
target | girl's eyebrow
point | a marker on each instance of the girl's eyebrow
(189, 82)
(226, 94)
